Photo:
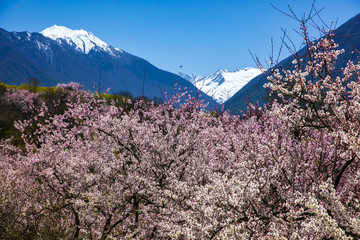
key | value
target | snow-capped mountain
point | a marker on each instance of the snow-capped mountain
(61, 55)
(222, 84)
(82, 40)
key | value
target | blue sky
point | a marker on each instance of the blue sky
(200, 35)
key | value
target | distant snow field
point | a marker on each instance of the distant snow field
(222, 84)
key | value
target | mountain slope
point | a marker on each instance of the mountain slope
(348, 38)
(223, 84)
(59, 54)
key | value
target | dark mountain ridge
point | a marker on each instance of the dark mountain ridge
(348, 38)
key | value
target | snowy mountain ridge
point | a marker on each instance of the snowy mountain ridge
(82, 40)
(223, 83)
(61, 55)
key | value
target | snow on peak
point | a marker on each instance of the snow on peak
(81, 39)
(223, 83)
(186, 76)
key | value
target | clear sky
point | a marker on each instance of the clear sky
(200, 35)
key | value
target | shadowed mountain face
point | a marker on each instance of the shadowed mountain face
(348, 38)
(79, 56)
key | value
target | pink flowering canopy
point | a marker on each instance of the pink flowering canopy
(101, 170)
